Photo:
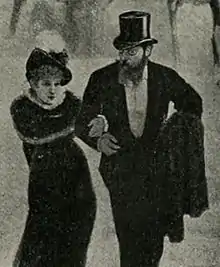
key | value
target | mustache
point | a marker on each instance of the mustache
(122, 63)
(119, 61)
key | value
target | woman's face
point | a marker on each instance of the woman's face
(48, 88)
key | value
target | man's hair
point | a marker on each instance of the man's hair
(145, 45)
(43, 72)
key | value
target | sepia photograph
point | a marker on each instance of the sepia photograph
(110, 133)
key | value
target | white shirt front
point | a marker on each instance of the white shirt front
(136, 99)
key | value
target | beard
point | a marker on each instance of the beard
(135, 72)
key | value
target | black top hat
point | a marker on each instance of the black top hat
(39, 57)
(134, 30)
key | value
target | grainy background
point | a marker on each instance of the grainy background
(202, 239)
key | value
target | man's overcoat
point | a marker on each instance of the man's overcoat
(130, 173)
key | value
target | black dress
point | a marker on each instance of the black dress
(62, 203)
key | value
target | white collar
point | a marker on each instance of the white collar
(145, 72)
(28, 93)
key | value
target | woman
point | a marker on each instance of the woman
(62, 202)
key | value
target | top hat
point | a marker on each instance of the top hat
(40, 57)
(134, 30)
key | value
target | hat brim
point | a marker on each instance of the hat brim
(43, 58)
(120, 44)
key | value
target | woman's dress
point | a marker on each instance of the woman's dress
(62, 203)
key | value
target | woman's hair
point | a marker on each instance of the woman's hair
(43, 72)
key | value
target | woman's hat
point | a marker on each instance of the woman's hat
(40, 57)
(134, 30)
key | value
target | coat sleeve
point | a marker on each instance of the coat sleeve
(90, 108)
(181, 164)
(183, 95)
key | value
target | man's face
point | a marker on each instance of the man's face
(133, 57)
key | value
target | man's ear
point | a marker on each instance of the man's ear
(148, 50)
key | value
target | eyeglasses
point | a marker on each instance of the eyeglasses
(129, 51)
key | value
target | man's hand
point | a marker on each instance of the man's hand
(97, 127)
(107, 144)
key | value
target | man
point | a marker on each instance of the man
(132, 97)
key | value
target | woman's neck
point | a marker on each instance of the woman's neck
(31, 94)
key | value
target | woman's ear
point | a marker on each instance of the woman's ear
(33, 83)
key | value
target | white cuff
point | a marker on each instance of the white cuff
(99, 145)
(105, 121)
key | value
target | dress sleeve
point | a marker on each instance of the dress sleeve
(33, 124)
(26, 122)
(72, 109)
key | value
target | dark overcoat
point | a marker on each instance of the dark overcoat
(130, 173)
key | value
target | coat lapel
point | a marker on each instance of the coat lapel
(154, 86)
(121, 104)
